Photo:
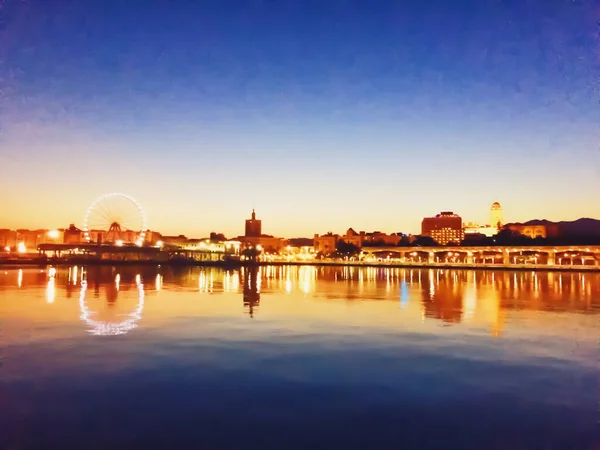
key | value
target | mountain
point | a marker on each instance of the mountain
(580, 227)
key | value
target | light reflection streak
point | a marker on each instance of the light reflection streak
(403, 294)
(470, 298)
(227, 282)
(51, 290)
(202, 282)
(431, 285)
(235, 282)
(306, 276)
(20, 278)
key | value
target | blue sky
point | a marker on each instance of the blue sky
(321, 115)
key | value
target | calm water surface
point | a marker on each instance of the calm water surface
(299, 358)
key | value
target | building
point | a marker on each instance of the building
(253, 226)
(472, 228)
(299, 253)
(534, 231)
(496, 222)
(444, 228)
(208, 245)
(267, 243)
(30, 239)
(73, 235)
(253, 237)
(205, 245)
(174, 241)
(354, 238)
(326, 243)
(378, 238)
(8, 239)
(496, 216)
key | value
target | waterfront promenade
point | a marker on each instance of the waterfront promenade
(556, 258)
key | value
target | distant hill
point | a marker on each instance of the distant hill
(580, 227)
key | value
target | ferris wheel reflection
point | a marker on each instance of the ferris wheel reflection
(108, 328)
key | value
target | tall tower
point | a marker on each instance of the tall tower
(253, 226)
(496, 218)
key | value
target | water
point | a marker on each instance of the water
(298, 358)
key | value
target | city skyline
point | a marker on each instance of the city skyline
(320, 117)
(254, 216)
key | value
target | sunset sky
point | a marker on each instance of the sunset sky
(320, 114)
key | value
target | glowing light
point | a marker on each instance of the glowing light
(259, 247)
(159, 244)
(119, 243)
(139, 242)
(50, 291)
(21, 247)
(7, 249)
(138, 279)
(53, 234)
(52, 272)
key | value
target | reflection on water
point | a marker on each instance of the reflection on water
(122, 322)
(51, 290)
(449, 296)
(299, 356)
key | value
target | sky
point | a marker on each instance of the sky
(322, 115)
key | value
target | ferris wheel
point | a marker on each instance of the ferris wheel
(115, 218)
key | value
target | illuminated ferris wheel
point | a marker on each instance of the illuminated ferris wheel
(115, 218)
